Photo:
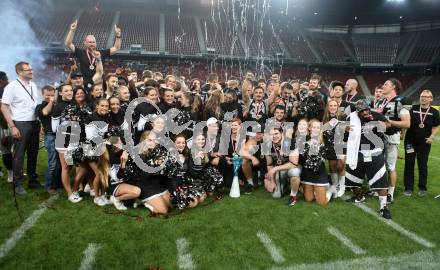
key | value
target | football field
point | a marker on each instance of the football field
(251, 232)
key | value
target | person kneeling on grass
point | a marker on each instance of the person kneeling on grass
(280, 169)
(311, 158)
(119, 190)
(367, 129)
(154, 185)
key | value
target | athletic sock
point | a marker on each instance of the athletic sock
(382, 201)
(334, 178)
(391, 191)
(342, 180)
(250, 181)
(293, 193)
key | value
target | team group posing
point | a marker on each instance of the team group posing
(175, 163)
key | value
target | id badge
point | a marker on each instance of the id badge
(367, 158)
(409, 149)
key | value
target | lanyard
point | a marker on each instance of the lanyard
(91, 58)
(386, 101)
(349, 100)
(422, 118)
(31, 94)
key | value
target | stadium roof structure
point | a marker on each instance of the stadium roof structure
(313, 12)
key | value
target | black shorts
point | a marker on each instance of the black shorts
(374, 169)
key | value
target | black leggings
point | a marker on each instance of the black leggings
(7, 160)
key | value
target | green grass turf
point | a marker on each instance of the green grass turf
(221, 234)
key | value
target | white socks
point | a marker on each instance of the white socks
(382, 201)
(293, 193)
(334, 178)
(250, 181)
(391, 191)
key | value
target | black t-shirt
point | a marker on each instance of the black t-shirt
(84, 61)
(417, 134)
(46, 120)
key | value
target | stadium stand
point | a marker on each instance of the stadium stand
(330, 47)
(181, 36)
(98, 24)
(376, 48)
(296, 45)
(55, 29)
(373, 78)
(140, 29)
(427, 48)
(222, 38)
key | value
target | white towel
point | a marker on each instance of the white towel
(354, 140)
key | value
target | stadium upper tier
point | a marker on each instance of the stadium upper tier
(169, 34)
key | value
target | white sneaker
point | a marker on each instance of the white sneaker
(340, 192)
(92, 193)
(333, 189)
(105, 200)
(87, 188)
(329, 194)
(98, 201)
(1, 174)
(117, 203)
(74, 199)
(10, 176)
(76, 193)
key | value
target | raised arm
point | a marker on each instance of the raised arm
(117, 46)
(69, 38)
(97, 78)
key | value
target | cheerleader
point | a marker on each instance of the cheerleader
(63, 113)
(118, 189)
(144, 110)
(167, 102)
(179, 187)
(212, 107)
(207, 178)
(153, 185)
(281, 169)
(313, 174)
(93, 131)
(333, 137)
(116, 114)
(95, 93)
(189, 110)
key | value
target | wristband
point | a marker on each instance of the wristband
(118, 36)
(98, 59)
(12, 126)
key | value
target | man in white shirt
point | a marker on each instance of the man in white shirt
(19, 100)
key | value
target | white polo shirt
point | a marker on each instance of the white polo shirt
(20, 101)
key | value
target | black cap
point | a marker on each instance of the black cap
(76, 74)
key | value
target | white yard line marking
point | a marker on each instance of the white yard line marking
(270, 247)
(345, 240)
(397, 227)
(184, 257)
(89, 256)
(10, 243)
(426, 259)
